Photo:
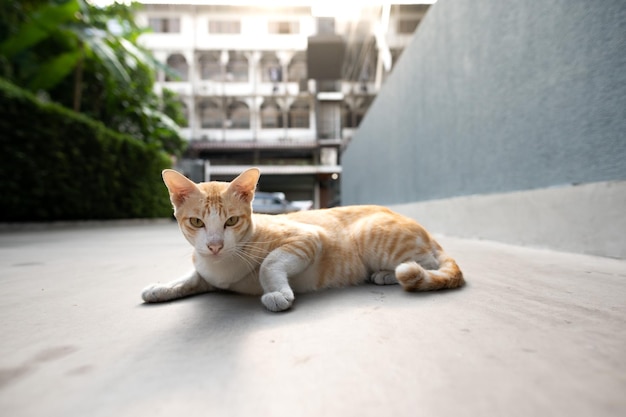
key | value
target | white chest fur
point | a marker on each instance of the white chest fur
(224, 272)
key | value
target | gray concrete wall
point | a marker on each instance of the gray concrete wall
(587, 218)
(496, 97)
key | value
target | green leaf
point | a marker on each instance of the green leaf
(43, 22)
(162, 117)
(106, 55)
(50, 73)
(146, 58)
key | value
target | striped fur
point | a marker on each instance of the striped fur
(274, 256)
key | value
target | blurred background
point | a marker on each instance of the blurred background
(277, 84)
(218, 86)
(488, 119)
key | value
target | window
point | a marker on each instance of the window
(211, 115)
(210, 68)
(178, 65)
(283, 27)
(407, 26)
(271, 115)
(271, 70)
(237, 67)
(299, 114)
(228, 27)
(296, 70)
(165, 24)
(239, 115)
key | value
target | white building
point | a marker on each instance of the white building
(281, 87)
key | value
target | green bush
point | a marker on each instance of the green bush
(60, 165)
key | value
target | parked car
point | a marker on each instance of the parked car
(272, 203)
(303, 205)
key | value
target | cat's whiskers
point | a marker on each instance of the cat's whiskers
(250, 262)
(257, 256)
(257, 252)
(255, 247)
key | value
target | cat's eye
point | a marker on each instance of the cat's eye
(196, 222)
(232, 221)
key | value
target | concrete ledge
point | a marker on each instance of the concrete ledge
(585, 218)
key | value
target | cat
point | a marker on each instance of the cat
(277, 255)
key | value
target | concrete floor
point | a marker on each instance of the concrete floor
(534, 333)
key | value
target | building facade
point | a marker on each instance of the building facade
(282, 88)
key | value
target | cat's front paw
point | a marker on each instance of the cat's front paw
(277, 301)
(156, 293)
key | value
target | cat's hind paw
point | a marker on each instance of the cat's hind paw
(277, 301)
(384, 278)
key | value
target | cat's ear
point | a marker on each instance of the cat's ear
(179, 186)
(243, 186)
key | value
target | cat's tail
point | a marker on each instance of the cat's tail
(413, 277)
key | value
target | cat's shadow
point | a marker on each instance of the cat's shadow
(209, 310)
(223, 330)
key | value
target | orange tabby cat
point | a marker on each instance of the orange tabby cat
(303, 251)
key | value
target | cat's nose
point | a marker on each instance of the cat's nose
(215, 248)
